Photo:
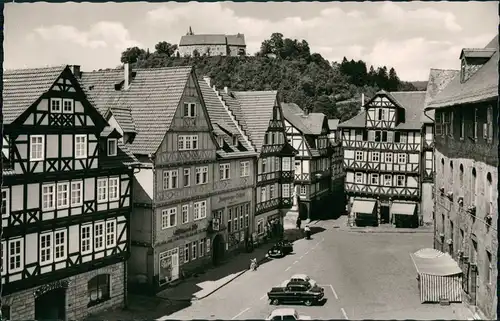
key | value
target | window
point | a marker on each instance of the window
(46, 248)
(3, 256)
(462, 124)
(76, 194)
(285, 190)
(99, 236)
(15, 255)
(67, 106)
(461, 176)
(260, 227)
(244, 169)
(86, 239)
(358, 178)
(194, 247)
(62, 195)
(187, 142)
(384, 136)
(98, 289)
(387, 180)
(112, 146)
(474, 187)
(287, 164)
(401, 158)
(377, 136)
(186, 253)
(303, 190)
(114, 190)
(55, 105)
(200, 210)
(5, 203)
(224, 171)
(189, 110)
(102, 190)
(60, 245)
(446, 122)
(242, 220)
(400, 180)
(381, 114)
(110, 234)
(388, 158)
(207, 248)
(37, 148)
(168, 217)
(202, 247)
(488, 132)
(186, 177)
(185, 214)
(169, 179)
(201, 175)
(374, 180)
(489, 194)
(359, 155)
(247, 215)
(439, 123)
(264, 167)
(474, 124)
(48, 194)
(489, 273)
(229, 220)
(80, 146)
(263, 193)
(375, 156)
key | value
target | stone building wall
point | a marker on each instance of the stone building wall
(22, 303)
(209, 50)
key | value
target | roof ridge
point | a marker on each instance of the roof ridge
(36, 68)
(409, 92)
(444, 69)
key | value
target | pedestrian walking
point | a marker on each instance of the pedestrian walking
(299, 222)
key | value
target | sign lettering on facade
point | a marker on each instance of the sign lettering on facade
(181, 230)
(61, 284)
(231, 198)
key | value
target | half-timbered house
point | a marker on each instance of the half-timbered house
(337, 176)
(66, 200)
(174, 140)
(308, 134)
(383, 148)
(260, 116)
(466, 162)
(232, 198)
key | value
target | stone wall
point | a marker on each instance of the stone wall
(209, 50)
(22, 303)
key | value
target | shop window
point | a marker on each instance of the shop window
(98, 289)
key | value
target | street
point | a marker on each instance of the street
(365, 276)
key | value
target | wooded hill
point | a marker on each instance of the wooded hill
(286, 65)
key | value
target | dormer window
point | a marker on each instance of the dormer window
(112, 146)
(472, 59)
(189, 109)
(235, 140)
(220, 140)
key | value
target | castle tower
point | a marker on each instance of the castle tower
(190, 32)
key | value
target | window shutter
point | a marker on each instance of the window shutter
(365, 135)
(397, 137)
(181, 255)
(371, 135)
(390, 137)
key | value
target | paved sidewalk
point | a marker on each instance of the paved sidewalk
(341, 223)
(197, 288)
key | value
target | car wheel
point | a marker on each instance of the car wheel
(275, 302)
(308, 303)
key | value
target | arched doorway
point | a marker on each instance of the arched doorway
(217, 249)
(51, 305)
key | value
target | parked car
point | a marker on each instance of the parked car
(280, 249)
(286, 314)
(296, 293)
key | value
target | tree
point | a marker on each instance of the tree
(393, 81)
(131, 55)
(165, 48)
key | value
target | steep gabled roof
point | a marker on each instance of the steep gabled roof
(333, 124)
(481, 86)
(438, 80)
(257, 109)
(23, 87)
(357, 121)
(190, 40)
(153, 98)
(413, 104)
(100, 87)
(310, 124)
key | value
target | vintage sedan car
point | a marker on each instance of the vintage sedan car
(296, 293)
(299, 279)
(286, 314)
(280, 249)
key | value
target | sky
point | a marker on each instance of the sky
(412, 37)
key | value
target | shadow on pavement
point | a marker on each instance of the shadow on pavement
(316, 230)
(322, 302)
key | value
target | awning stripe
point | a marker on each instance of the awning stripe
(435, 287)
(403, 208)
(363, 206)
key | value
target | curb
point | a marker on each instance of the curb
(226, 283)
(386, 231)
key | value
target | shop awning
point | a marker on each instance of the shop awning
(434, 262)
(403, 208)
(363, 206)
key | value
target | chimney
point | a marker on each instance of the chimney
(208, 80)
(126, 74)
(306, 112)
(362, 99)
(75, 69)
(226, 90)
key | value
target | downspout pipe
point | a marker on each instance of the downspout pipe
(425, 113)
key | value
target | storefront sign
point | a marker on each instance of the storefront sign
(231, 198)
(182, 230)
(61, 284)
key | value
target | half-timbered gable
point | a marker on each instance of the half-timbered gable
(66, 192)
(384, 153)
(466, 175)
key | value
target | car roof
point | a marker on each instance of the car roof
(300, 276)
(283, 311)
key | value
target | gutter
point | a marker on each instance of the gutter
(425, 113)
